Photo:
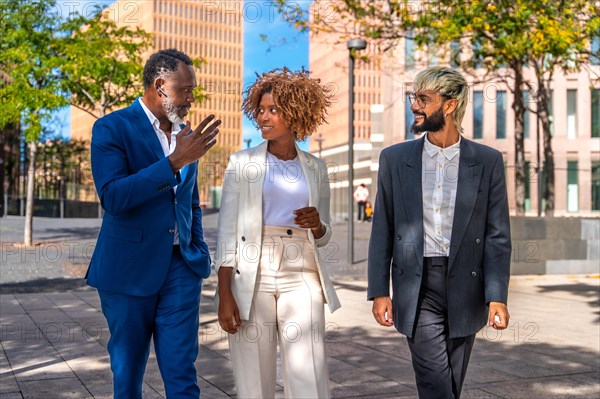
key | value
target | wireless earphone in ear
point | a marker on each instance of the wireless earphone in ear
(162, 91)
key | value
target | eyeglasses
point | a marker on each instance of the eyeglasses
(186, 91)
(421, 101)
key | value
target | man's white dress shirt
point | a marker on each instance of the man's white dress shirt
(167, 147)
(439, 183)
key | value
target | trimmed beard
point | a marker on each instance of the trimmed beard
(172, 112)
(432, 123)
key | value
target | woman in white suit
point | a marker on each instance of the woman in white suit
(274, 216)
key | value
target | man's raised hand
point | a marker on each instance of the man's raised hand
(192, 145)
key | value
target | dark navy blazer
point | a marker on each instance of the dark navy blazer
(480, 247)
(134, 181)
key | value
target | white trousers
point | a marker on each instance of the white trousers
(288, 307)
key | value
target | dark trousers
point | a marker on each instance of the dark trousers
(361, 210)
(440, 362)
(170, 318)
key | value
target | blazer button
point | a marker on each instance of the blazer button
(477, 241)
(398, 237)
(473, 274)
(289, 232)
(171, 231)
(243, 238)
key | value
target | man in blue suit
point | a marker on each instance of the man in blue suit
(150, 257)
(442, 233)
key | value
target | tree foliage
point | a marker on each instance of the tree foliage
(29, 80)
(101, 64)
(48, 61)
(499, 39)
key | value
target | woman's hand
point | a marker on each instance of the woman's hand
(229, 314)
(308, 218)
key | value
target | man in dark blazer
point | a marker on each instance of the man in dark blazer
(150, 257)
(442, 232)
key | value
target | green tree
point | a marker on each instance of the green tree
(503, 37)
(47, 61)
(30, 85)
(101, 66)
(561, 41)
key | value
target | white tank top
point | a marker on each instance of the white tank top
(285, 190)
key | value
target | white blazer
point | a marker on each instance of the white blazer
(239, 231)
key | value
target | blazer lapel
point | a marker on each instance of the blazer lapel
(412, 192)
(310, 171)
(469, 176)
(146, 130)
(254, 174)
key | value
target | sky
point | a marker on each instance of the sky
(284, 47)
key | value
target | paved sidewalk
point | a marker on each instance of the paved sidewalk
(53, 337)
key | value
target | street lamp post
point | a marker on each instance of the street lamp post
(353, 45)
(247, 141)
(319, 139)
(539, 162)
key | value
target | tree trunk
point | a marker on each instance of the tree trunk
(30, 187)
(543, 102)
(548, 158)
(518, 107)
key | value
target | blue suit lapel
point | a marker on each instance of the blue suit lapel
(469, 176)
(145, 129)
(412, 193)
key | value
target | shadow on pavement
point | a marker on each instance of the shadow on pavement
(43, 285)
(587, 291)
(82, 233)
(367, 364)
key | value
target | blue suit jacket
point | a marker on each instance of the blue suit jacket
(480, 246)
(134, 181)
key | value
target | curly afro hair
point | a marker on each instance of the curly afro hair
(301, 100)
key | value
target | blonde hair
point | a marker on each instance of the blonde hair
(301, 100)
(448, 83)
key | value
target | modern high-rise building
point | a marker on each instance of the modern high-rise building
(207, 30)
(383, 118)
(329, 61)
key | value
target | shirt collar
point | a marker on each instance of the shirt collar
(449, 152)
(175, 128)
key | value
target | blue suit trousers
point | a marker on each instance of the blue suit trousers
(170, 318)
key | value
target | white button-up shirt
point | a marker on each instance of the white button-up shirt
(167, 147)
(439, 183)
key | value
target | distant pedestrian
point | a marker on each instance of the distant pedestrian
(361, 194)
(368, 211)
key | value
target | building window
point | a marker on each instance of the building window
(595, 185)
(551, 112)
(572, 187)
(571, 114)
(477, 114)
(526, 101)
(595, 112)
(500, 114)
(477, 56)
(409, 50)
(454, 54)
(408, 120)
(595, 57)
(527, 186)
(433, 59)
